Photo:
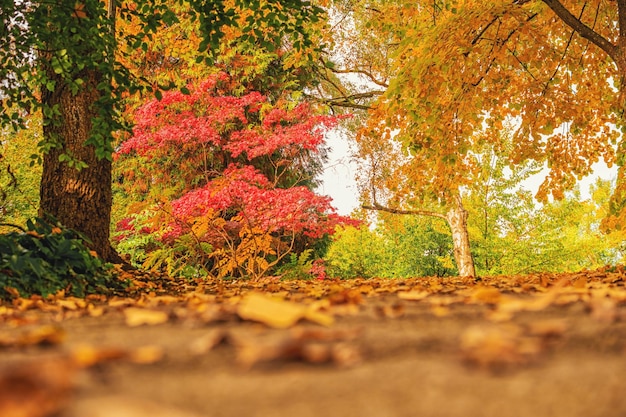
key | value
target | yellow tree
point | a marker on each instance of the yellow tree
(460, 70)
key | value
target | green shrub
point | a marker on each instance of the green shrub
(46, 258)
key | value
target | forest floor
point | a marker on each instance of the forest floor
(535, 345)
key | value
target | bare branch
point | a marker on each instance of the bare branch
(429, 213)
(348, 100)
(368, 74)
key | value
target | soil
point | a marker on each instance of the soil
(411, 350)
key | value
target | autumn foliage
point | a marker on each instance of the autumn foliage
(226, 178)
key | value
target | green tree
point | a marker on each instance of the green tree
(399, 247)
(62, 59)
(356, 253)
(19, 178)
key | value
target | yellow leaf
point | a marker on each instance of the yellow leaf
(487, 295)
(140, 316)
(413, 295)
(86, 356)
(319, 317)
(146, 355)
(272, 312)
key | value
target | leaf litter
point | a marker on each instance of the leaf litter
(269, 320)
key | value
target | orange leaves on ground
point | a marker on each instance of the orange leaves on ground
(39, 336)
(36, 389)
(277, 313)
(140, 316)
(86, 356)
(312, 345)
(498, 346)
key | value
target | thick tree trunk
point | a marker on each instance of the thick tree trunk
(457, 219)
(79, 199)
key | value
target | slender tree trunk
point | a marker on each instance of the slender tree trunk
(79, 199)
(457, 219)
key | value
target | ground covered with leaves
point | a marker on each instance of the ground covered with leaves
(543, 345)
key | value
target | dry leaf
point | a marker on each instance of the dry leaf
(43, 335)
(140, 316)
(498, 347)
(318, 317)
(276, 313)
(36, 389)
(306, 344)
(85, 356)
(146, 354)
(580, 283)
(119, 406)
(548, 328)
(486, 295)
(391, 311)
(208, 341)
(413, 295)
(603, 309)
(270, 311)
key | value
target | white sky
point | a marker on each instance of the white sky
(338, 180)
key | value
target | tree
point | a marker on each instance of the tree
(454, 73)
(229, 175)
(18, 179)
(62, 59)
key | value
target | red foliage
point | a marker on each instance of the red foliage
(240, 129)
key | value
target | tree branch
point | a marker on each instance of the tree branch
(348, 101)
(429, 213)
(621, 11)
(585, 31)
(14, 226)
(368, 74)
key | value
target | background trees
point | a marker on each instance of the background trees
(454, 74)
(437, 85)
(62, 59)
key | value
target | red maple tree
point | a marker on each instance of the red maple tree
(239, 171)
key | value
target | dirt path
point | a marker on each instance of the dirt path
(556, 349)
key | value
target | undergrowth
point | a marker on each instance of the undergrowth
(46, 258)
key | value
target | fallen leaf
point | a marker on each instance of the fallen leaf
(548, 328)
(36, 389)
(603, 309)
(393, 311)
(140, 316)
(498, 347)
(208, 341)
(86, 356)
(580, 283)
(318, 317)
(146, 354)
(440, 311)
(42, 335)
(486, 295)
(122, 406)
(308, 345)
(275, 313)
(95, 311)
(279, 314)
(413, 295)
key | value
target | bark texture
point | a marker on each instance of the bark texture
(79, 199)
(457, 219)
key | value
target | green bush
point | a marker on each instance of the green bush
(46, 258)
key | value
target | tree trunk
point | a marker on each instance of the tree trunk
(457, 219)
(79, 199)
